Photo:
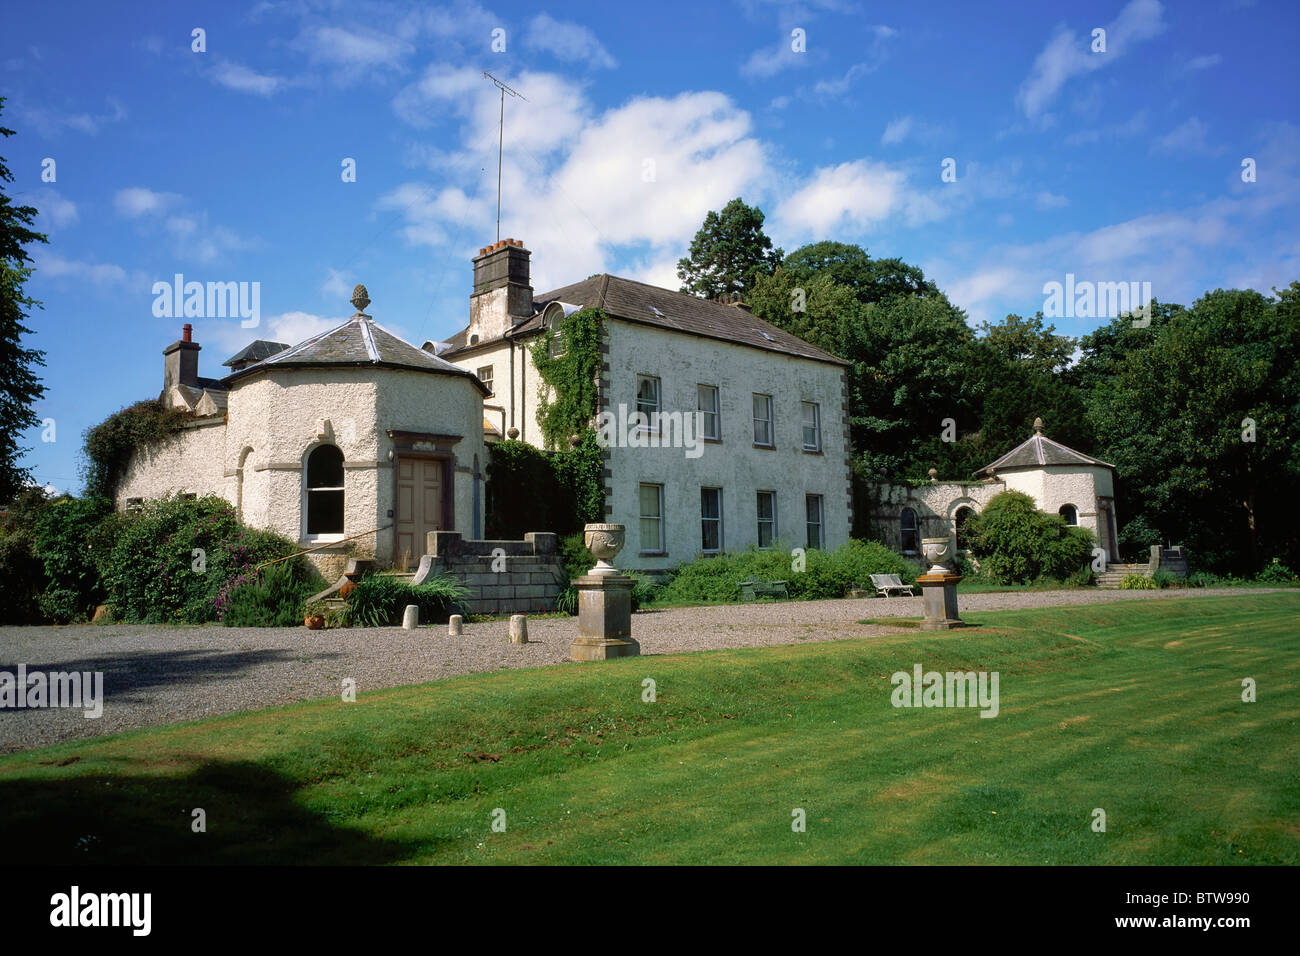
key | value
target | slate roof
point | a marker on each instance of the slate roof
(677, 311)
(255, 352)
(1038, 452)
(358, 342)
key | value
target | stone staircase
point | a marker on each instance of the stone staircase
(1173, 560)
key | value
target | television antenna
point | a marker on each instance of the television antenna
(501, 127)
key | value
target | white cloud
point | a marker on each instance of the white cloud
(1068, 55)
(53, 266)
(242, 79)
(1203, 62)
(567, 41)
(337, 285)
(771, 60)
(577, 182)
(49, 122)
(225, 337)
(138, 201)
(897, 131)
(358, 47)
(1188, 136)
(1050, 200)
(851, 195)
(58, 210)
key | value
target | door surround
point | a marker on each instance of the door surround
(428, 446)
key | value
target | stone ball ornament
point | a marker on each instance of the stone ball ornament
(604, 541)
(940, 554)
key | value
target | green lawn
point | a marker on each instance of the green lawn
(1131, 707)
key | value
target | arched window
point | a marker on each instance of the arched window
(959, 520)
(324, 491)
(1070, 513)
(910, 539)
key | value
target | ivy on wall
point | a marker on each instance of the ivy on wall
(108, 446)
(567, 358)
(533, 490)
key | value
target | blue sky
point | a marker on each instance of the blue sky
(226, 165)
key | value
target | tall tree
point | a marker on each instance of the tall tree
(729, 252)
(20, 388)
(1201, 417)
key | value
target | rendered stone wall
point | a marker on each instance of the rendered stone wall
(189, 462)
(936, 506)
(734, 464)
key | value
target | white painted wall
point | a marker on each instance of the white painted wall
(682, 362)
(255, 458)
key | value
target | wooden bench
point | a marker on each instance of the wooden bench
(885, 583)
(753, 590)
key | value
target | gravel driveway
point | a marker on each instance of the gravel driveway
(160, 675)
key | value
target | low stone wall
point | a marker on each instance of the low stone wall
(503, 577)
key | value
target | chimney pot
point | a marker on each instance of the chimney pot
(187, 332)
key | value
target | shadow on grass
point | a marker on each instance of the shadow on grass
(131, 671)
(252, 817)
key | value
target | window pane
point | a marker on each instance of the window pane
(813, 507)
(650, 535)
(647, 392)
(766, 518)
(762, 419)
(324, 512)
(708, 404)
(325, 468)
(710, 519)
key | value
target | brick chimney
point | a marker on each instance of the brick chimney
(181, 360)
(502, 296)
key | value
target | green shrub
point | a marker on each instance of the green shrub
(62, 529)
(1201, 579)
(109, 445)
(273, 598)
(1275, 572)
(1080, 579)
(1137, 582)
(1016, 543)
(151, 573)
(380, 599)
(1165, 579)
(826, 574)
(22, 575)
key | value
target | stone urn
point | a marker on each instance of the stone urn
(604, 541)
(940, 554)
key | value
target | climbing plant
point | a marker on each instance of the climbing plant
(108, 445)
(567, 357)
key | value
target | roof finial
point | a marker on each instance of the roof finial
(360, 298)
(1038, 426)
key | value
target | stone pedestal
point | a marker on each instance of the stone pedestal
(940, 594)
(604, 618)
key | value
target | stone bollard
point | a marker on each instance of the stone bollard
(518, 629)
(455, 626)
(411, 617)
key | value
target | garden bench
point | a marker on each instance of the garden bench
(753, 590)
(885, 583)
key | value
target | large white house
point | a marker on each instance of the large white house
(771, 465)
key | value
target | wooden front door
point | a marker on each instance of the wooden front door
(421, 487)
